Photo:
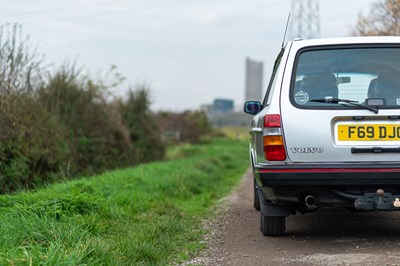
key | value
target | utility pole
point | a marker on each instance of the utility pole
(304, 22)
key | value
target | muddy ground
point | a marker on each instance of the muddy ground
(326, 237)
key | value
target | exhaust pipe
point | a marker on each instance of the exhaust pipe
(310, 201)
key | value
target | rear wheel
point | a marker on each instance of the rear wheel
(273, 225)
(256, 199)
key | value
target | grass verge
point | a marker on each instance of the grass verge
(150, 214)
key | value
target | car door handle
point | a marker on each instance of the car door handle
(256, 130)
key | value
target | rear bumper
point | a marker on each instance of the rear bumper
(332, 175)
(331, 185)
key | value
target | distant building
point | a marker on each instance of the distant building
(222, 106)
(254, 80)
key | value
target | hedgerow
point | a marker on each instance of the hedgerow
(60, 124)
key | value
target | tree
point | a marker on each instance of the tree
(383, 19)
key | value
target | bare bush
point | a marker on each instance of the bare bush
(383, 19)
(20, 65)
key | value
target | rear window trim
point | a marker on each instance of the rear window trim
(273, 76)
(332, 47)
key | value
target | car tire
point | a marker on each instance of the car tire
(273, 225)
(256, 198)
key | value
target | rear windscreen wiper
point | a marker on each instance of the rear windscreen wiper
(341, 101)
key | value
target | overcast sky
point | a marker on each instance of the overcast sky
(189, 51)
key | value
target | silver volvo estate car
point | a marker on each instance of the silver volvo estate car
(327, 133)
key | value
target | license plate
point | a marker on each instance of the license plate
(369, 132)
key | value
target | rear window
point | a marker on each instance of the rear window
(367, 76)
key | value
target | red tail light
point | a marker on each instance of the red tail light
(274, 147)
(272, 121)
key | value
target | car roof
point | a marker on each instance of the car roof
(299, 43)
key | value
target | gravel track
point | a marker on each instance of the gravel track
(326, 237)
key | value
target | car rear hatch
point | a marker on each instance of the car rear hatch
(342, 105)
(346, 136)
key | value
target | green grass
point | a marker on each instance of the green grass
(146, 215)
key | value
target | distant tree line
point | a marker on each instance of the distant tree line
(60, 124)
(189, 126)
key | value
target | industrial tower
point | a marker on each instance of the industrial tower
(253, 80)
(304, 21)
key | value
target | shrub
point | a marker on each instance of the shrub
(32, 146)
(31, 142)
(95, 132)
(144, 132)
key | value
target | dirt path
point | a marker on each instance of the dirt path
(326, 237)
